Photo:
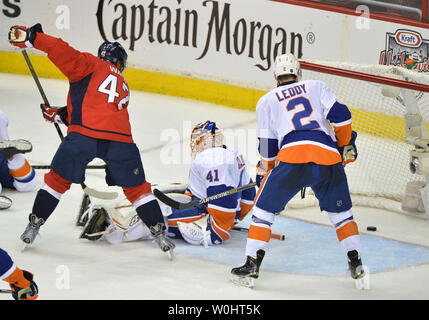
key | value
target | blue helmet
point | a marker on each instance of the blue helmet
(114, 53)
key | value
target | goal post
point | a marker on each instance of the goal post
(390, 113)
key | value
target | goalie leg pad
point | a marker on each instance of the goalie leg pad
(98, 223)
(195, 232)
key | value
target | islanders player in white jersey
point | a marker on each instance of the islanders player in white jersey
(215, 169)
(15, 171)
(20, 281)
(305, 140)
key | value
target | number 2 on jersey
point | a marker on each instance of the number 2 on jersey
(299, 116)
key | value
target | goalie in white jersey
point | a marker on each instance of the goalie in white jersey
(305, 139)
(215, 169)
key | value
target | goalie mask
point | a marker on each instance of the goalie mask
(287, 64)
(205, 135)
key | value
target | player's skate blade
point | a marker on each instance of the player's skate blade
(161, 239)
(247, 282)
(246, 274)
(363, 282)
(358, 271)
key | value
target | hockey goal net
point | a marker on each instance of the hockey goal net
(379, 98)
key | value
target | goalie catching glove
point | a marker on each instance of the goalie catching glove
(24, 37)
(349, 151)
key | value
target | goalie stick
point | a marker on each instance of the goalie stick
(36, 166)
(86, 189)
(5, 291)
(179, 205)
(273, 235)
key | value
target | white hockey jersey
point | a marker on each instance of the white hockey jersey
(216, 170)
(300, 122)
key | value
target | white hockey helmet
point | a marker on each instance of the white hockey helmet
(206, 135)
(287, 64)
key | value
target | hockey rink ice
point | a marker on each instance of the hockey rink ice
(309, 264)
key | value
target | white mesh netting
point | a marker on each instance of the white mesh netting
(379, 176)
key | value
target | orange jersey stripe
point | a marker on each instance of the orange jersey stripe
(222, 233)
(347, 230)
(21, 172)
(261, 187)
(259, 233)
(223, 219)
(343, 134)
(184, 220)
(245, 209)
(306, 153)
(17, 278)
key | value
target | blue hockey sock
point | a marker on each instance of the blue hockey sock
(150, 213)
(44, 204)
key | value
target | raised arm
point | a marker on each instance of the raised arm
(74, 64)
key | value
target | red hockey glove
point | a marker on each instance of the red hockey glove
(24, 37)
(50, 114)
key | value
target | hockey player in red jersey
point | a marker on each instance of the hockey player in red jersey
(98, 126)
(20, 281)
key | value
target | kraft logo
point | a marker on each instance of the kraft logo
(408, 38)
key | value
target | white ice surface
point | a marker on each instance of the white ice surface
(139, 270)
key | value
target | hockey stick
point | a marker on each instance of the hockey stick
(273, 235)
(5, 291)
(49, 167)
(178, 205)
(86, 189)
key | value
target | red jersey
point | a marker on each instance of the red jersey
(98, 97)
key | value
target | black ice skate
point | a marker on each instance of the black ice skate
(96, 225)
(357, 271)
(165, 243)
(247, 273)
(32, 229)
(11, 147)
